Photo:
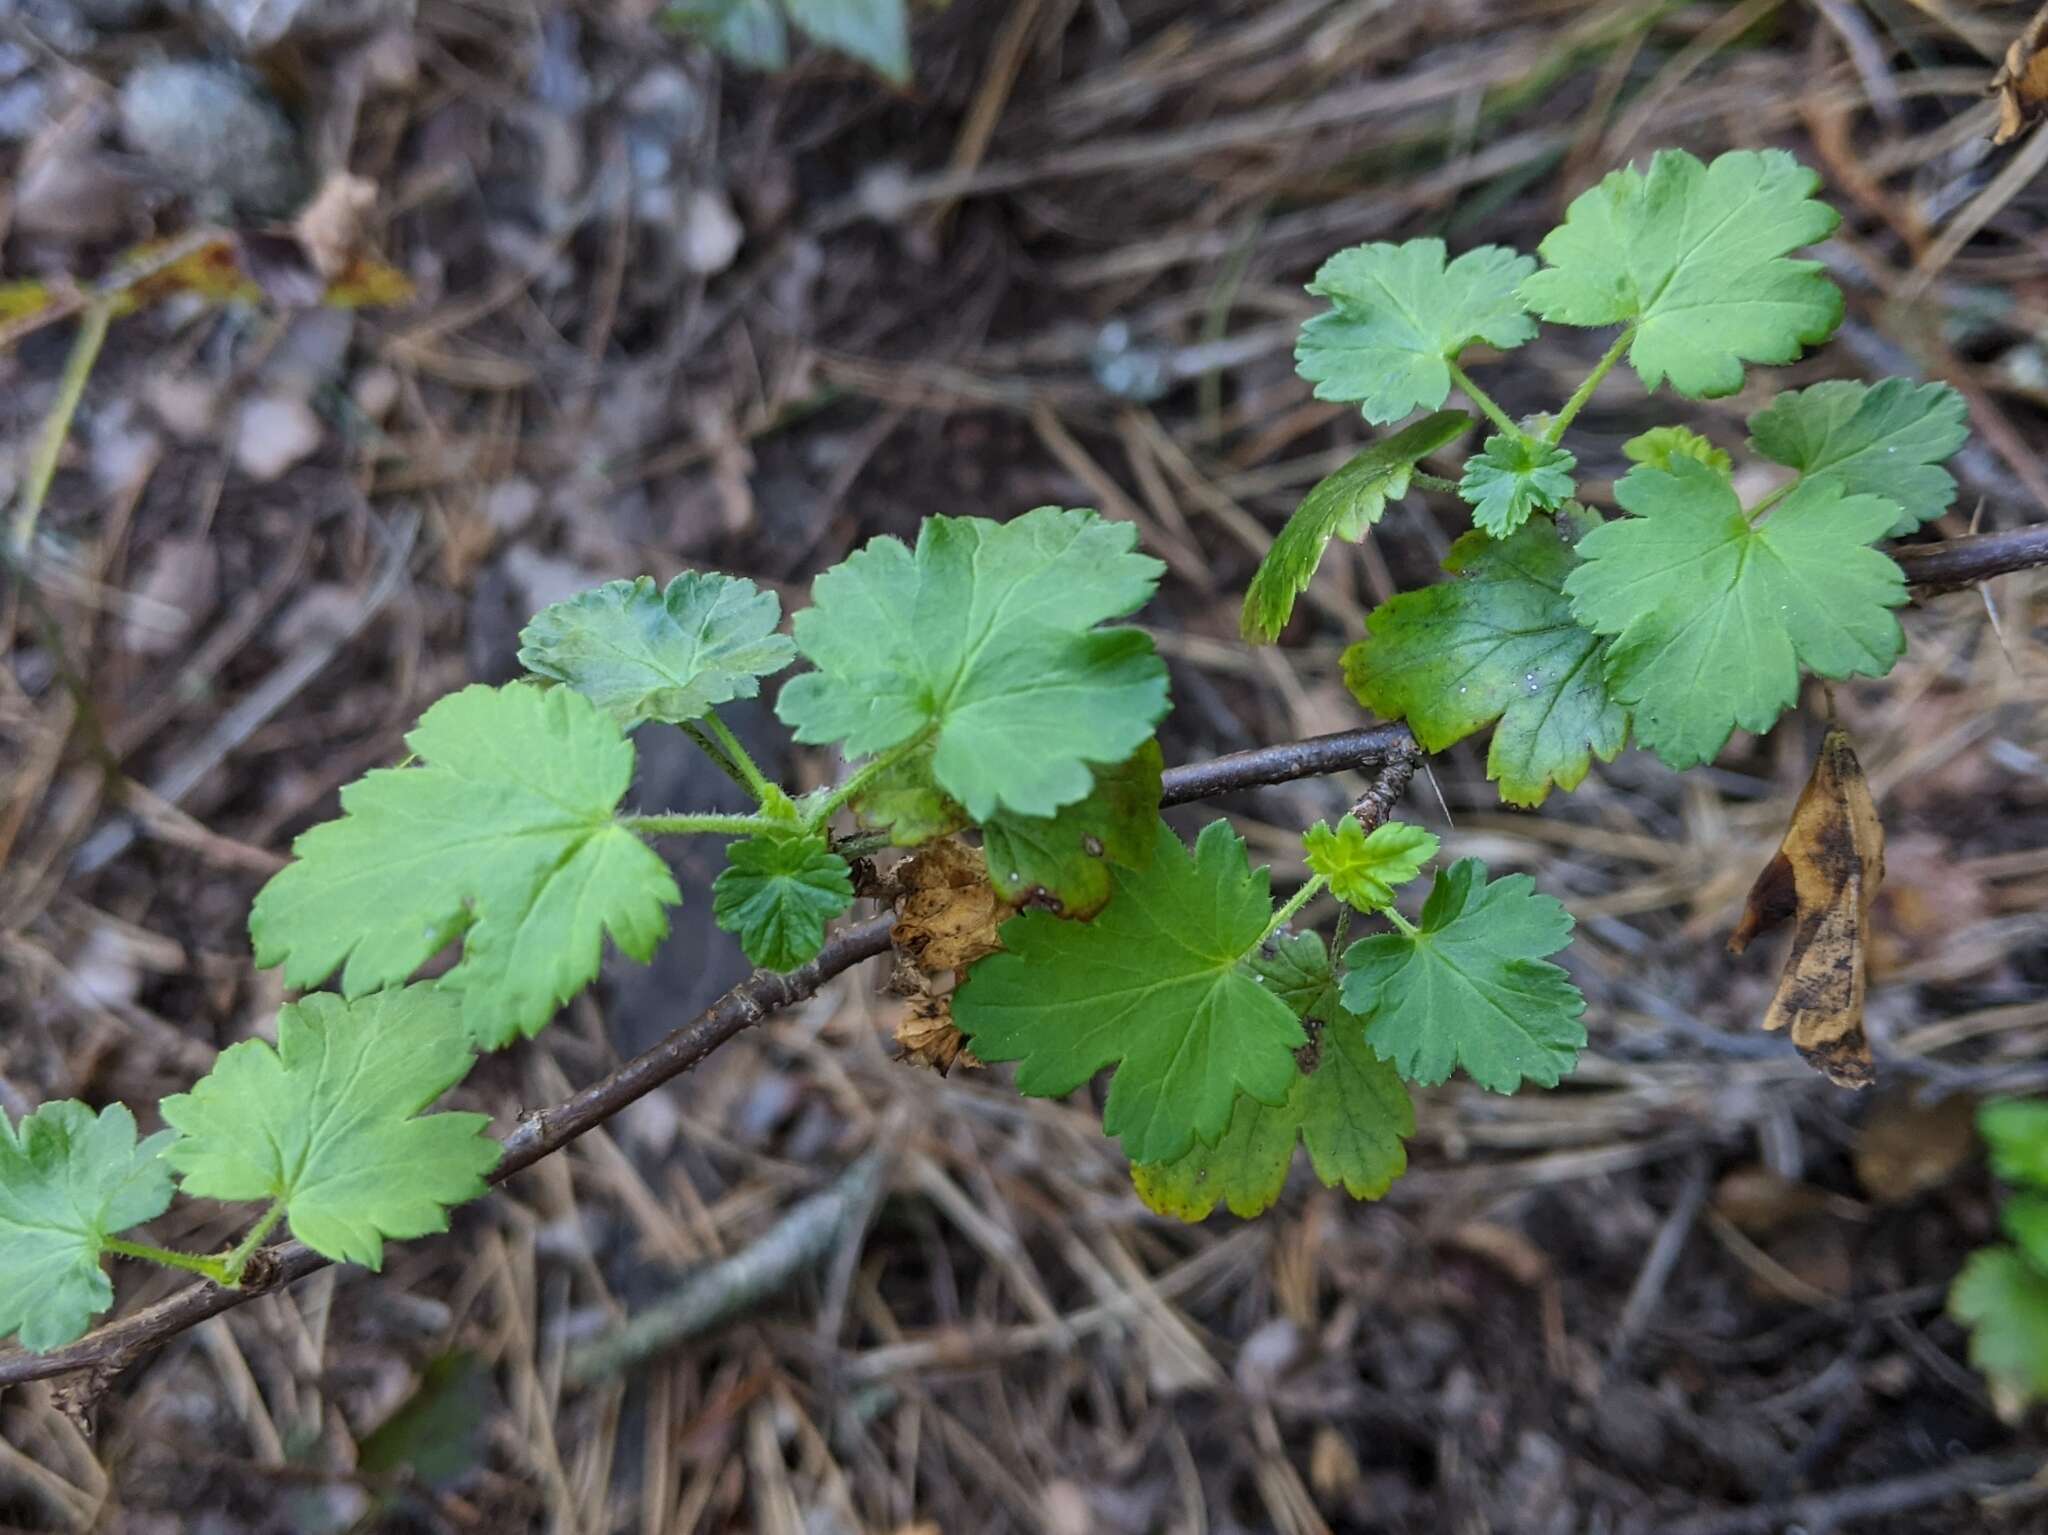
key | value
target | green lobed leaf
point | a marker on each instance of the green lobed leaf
(1713, 615)
(777, 892)
(984, 638)
(1696, 258)
(1498, 642)
(330, 1122)
(2025, 1218)
(1154, 986)
(1349, 1107)
(1399, 316)
(504, 835)
(1888, 439)
(2016, 1130)
(1661, 444)
(640, 653)
(1066, 857)
(1471, 986)
(876, 32)
(1364, 870)
(1346, 503)
(69, 1179)
(2003, 1300)
(1512, 477)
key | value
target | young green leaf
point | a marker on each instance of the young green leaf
(876, 32)
(1154, 986)
(68, 1181)
(1349, 1107)
(1345, 504)
(777, 892)
(2016, 1130)
(1887, 439)
(1661, 444)
(1497, 643)
(1696, 259)
(329, 1122)
(984, 638)
(1364, 870)
(1399, 317)
(504, 836)
(1471, 987)
(2025, 1218)
(1715, 614)
(1513, 477)
(1066, 857)
(639, 653)
(2003, 1300)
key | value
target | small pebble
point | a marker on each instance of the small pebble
(273, 434)
(211, 132)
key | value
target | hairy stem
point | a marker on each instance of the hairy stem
(853, 786)
(192, 1263)
(237, 1260)
(1425, 481)
(687, 824)
(750, 776)
(1295, 902)
(715, 752)
(1584, 392)
(1485, 402)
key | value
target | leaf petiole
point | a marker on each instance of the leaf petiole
(1295, 902)
(715, 752)
(192, 1263)
(853, 786)
(693, 825)
(1584, 392)
(750, 776)
(237, 1258)
(1486, 403)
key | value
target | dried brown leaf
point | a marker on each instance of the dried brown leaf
(928, 1037)
(1826, 874)
(2021, 84)
(948, 912)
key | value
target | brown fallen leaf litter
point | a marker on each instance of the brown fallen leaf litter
(670, 313)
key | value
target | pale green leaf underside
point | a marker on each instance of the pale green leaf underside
(1713, 616)
(1351, 1111)
(1696, 257)
(1887, 439)
(1495, 643)
(1343, 505)
(504, 836)
(1399, 315)
(1472, 988)
(1364, 869)
(777, 892)
(330, 1122)
(2003, 1300)
(69, 1179)
(1512, 477)
(1154, 986)
(640, 653)
(984, 638)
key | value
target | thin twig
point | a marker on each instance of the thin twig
(1978, 557)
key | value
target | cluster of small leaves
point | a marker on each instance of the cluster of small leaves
(326, 1128)
(1692, 615)
(2002, 1293)
(756, 32)
(1231, 1041)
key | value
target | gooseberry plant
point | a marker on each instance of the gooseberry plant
(979, 684)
